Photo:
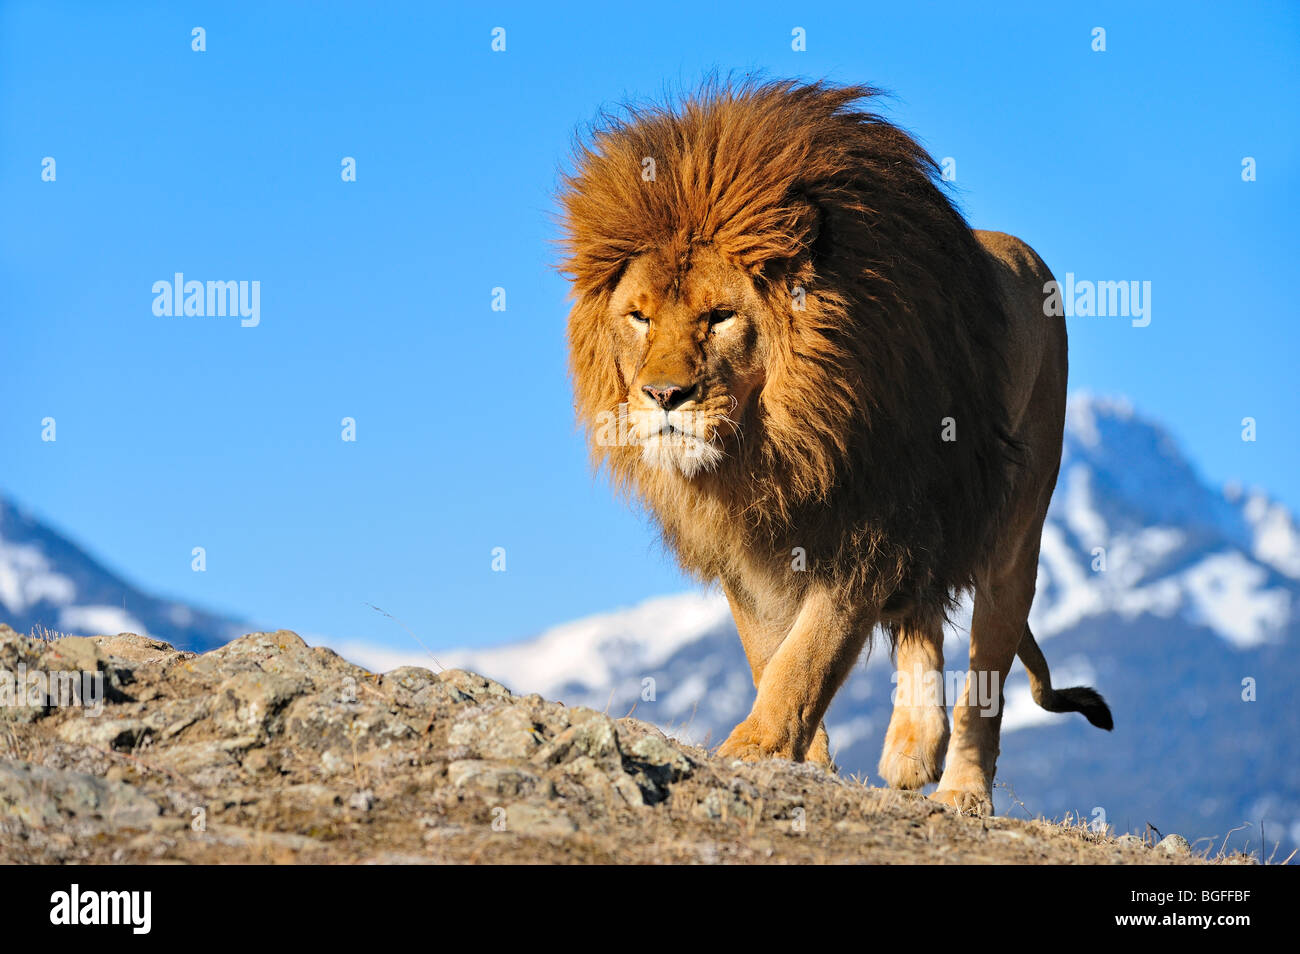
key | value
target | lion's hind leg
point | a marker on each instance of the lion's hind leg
(917, 739)
(997, 625)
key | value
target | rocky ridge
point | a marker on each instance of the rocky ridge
(270, 750)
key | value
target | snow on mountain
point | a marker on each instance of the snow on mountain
(1154, 539)
(1275, 539)
(594, 651)
(47, 582)
(1179, 602)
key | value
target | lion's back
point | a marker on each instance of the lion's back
(1035, 351)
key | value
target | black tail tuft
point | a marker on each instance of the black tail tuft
(1085, 700)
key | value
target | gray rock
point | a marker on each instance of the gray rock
(599, 780)
(495, 778)
(75, 653)
(722, 804)
(45, 797)
(118, 734)
(251, 701)
(1174, 845)
(419, 688)
(208, 763)
(503, 732)
(589, 734)
(476, 687)
(130, 648)
(319, 724)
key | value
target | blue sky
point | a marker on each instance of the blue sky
(376, 294)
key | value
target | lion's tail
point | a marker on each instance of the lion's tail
(1075, 699)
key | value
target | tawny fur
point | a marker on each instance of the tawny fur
(791, 258)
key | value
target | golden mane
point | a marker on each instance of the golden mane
(898, 329)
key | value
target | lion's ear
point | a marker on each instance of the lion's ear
(807, 222)
(799, 240)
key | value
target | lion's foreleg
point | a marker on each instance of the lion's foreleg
(798, 681)
(761, 640)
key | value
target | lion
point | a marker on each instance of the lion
(837, 400)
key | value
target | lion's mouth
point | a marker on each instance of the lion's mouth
(661, 424)
(668, 429)
(677, 440)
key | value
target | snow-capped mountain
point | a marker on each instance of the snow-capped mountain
(49, 583)
(1181, 604)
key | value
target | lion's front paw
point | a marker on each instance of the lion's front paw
(750, 742)
(967, 802)
(743, 743)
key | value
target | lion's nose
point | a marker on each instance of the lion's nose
(669, 396)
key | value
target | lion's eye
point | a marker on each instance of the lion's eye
(637, 316)
(718, 315)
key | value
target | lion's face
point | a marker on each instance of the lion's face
(688, 343)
